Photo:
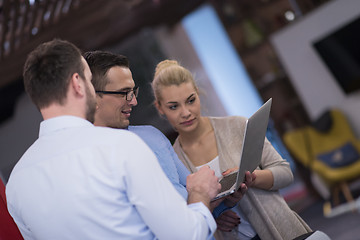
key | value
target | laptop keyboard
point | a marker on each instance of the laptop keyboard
(228, 181)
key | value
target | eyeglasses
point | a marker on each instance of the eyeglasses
(129, 94)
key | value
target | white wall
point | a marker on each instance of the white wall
(314, 84)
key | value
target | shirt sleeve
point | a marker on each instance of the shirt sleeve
(163, 210)
(167, 158)
(20, 224)
(181, 169)
(181, 172)
(220, 209)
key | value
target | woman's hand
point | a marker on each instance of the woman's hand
(264, 179)
(230, 170)
(215, 203)
(232, 199)
(227, 221)
(250, 178)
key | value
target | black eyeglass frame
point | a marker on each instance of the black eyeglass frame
(128, 96)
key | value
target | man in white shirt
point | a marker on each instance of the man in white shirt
(78, 181)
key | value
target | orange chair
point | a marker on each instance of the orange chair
(8, 228)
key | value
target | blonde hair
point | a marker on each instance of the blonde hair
(170, 72)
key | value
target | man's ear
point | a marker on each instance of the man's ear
(98, 101)
(77, 84)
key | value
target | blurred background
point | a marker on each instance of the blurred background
(302, 53)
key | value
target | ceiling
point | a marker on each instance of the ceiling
(89, 24)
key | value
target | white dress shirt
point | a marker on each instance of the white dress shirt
(78, 181)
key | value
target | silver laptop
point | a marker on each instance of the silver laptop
(254, 137)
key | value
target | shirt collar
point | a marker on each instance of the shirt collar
(62, 122)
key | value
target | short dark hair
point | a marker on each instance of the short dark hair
(100, 63)
(48, 70)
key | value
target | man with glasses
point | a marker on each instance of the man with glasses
(116, 96)
(129, 94)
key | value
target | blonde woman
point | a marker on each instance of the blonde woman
(216, 141)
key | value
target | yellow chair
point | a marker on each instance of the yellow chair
(333, 153)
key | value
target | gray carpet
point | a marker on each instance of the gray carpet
(341, 227)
